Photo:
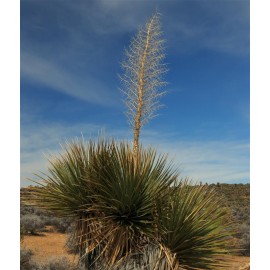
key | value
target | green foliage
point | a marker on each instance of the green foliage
(123, 207)
(126, 198)
(112, 198)
(194, 227)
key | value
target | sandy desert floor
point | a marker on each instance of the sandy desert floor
(52, 244)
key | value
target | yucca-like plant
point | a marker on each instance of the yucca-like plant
(194, 228)
(113, 201)
(123, 208)
(127, 195)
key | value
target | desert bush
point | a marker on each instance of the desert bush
(26, 209)
(61, 224)
(56, 263)
(61, 263)
(244, 242)
(71, 242)
(32, 223)
(46, 218)
(26, 262)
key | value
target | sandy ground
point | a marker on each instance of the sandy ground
(47, 245)
(52, 244)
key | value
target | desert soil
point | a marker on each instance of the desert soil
(51, 244)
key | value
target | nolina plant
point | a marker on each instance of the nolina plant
(128, 200)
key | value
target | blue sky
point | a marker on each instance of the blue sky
(70, 57)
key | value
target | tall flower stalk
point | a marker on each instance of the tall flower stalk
(142, 79)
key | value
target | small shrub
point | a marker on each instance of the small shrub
(63, 224)
(42, 217)
(26, 262)
(26, 209)
(71, 242)
(61, 263)
(245, 239)
(32, 223)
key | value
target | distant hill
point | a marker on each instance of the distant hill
(237, 198)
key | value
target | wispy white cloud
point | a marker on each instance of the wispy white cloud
(216, 25)
(91, 34)
(207, 161)
(210, 161)
(53, 75)
(113, 17)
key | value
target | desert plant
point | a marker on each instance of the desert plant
(44, 217)
(147, 259)
(32, 223)
(71, 241)
(61, 263)
(61, 224)
(54, 263)
(194, 228)
(26, 209)
(112, 201)
(131, 205)
(244, 236)
(152, 258)
(26, 262)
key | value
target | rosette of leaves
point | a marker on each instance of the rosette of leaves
(111, 196)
